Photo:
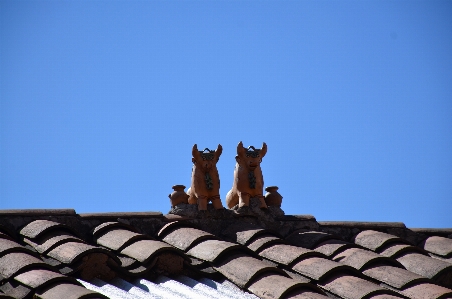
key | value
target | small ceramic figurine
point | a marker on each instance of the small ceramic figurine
(178, 196)
(248, 180)
(205, 181)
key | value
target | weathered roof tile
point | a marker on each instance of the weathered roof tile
(426, 266)
(264, 241)
(396, 277)
(427, 291)
(308, 239)
(12, 263)
(144, 250)
(15, 290)
(117, 239)
(107, 226)
(280, 286)
(210, 250)
(332, 247)
(241, 269)
(373, 240)
(361, 258)
(7, 246)
(71, 252)
(393, 250)
(317, 268)
(51, 240)
(352, 287)
(38, 278)
(287, 254)
(184, 237)
(36, 228)
(438, 245)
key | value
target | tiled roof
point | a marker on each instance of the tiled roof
(61, 254)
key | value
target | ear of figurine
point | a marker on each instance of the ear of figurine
(263, 150)
(195, 153)
(241, 151)
(218, 152)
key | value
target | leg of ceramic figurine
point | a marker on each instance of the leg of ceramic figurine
(202, 203)
(244, 199)
(262, 201)
(216, 202)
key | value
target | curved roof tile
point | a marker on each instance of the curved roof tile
(71, 252)
(144, 250)
(396, 277)
(438, 245)
(12, 263)
(373, 240)
(281, 286)
(351, 287)
(36, 228)
(211, 250)
(308, 239)
(117, 239)
(106, 226)
(241, 269)
(52, 240)
(38, 278)
(332, 247)
(360, 258)
(427, 267)
(287, 254)
(264, 241)
(317, 268)
(184, 237)
(393, 250)
(427, 291)
(8, 246)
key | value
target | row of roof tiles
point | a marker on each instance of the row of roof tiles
(304, 264)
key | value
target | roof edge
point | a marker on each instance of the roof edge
(114, 215)
(38, 212)
(363, 224)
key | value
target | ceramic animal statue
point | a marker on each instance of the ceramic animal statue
(205, 181)
(248, 180)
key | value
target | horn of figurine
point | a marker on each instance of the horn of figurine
(240, 149)
(263, 149)
(218, 152)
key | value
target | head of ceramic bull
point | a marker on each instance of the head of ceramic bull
(248, 180)
(205, 181)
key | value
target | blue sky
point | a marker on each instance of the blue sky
(102, 101)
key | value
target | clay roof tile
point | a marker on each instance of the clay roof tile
(185, 237)
(287, 254)
(36, 228)
(373, 240)
(438, 245)
(211, 250)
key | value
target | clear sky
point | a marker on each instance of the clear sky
(102, 101)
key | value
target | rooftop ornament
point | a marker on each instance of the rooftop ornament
(205, 181)
(248, 180)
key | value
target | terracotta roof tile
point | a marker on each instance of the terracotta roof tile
(184, 237)
(211, 250)
(5, 236)
(361, 258)
(351, 287)
(308, 239)
(4, 296)
(245, 233)
(117, 239)
(332, 247)
(287, 254)
(427, 267)
(373, 240)
(7, 246)
(106, 226)
(393, 250)
(427, 291)
(71, 252)
(263, 241)
(241, 269)
(38, 278)
(393, 276)
(438, 245)
(13, 263)
(51, 240)
(68, 291)
(280, 286)
(317, 268)
(36, 228)
(167, 228)
(144, 250)
(383, 296)
(305, 295)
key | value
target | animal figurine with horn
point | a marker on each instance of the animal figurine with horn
(205, 181)
(248, 180)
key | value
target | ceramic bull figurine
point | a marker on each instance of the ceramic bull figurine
(205, 181)
(248, 180)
